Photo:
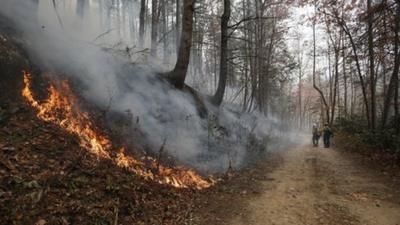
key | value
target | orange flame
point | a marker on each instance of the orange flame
(61, 108)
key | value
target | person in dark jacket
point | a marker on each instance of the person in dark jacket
(315, 135)
(327, 134)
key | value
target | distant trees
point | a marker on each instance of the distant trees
(364, 37)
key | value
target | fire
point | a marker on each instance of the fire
(62, 108)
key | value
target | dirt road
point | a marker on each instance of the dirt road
(317, 186)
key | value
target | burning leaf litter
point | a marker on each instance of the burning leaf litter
(62, 108)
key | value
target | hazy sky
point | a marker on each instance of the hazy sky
(301, 26)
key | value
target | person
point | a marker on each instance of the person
(316, 135)
(327, 134)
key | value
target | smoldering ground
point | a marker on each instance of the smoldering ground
(57, 42)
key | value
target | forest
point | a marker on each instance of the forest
(199, 112)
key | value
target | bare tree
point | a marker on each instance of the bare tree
(154, 27)
(177, 24)
(314, 69)
(141, 22)
(178, 75)
(223, 71)
(371, 63)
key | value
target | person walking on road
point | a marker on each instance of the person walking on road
(327, 134)
(315, 135)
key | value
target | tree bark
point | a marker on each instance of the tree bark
(223, 71)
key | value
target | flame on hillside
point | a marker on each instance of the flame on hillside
(62, 108)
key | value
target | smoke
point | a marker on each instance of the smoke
(226, 138)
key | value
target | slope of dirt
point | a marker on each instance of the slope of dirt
(312, 186)
(46, 178)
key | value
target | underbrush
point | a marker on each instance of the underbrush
(355, 130)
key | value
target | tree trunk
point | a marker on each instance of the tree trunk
(132, 25)
(177, 24)
(115, 4)
(394, 80)
(178, 74)
(335, 84)
(266, 69)
(300, 89)
(363, 88)
(141, 22)
(371, 63)
(246, 62)
(154, 27)
(81, 7)
(344, 77)
(164, 31)
(223, 71)
(314, 71)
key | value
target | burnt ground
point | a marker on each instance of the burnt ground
(46, 178)
(310, 186)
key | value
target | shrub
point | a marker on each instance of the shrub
(357, 126)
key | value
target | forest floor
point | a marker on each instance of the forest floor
(306, 185)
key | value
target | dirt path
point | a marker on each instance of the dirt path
(320, 186)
